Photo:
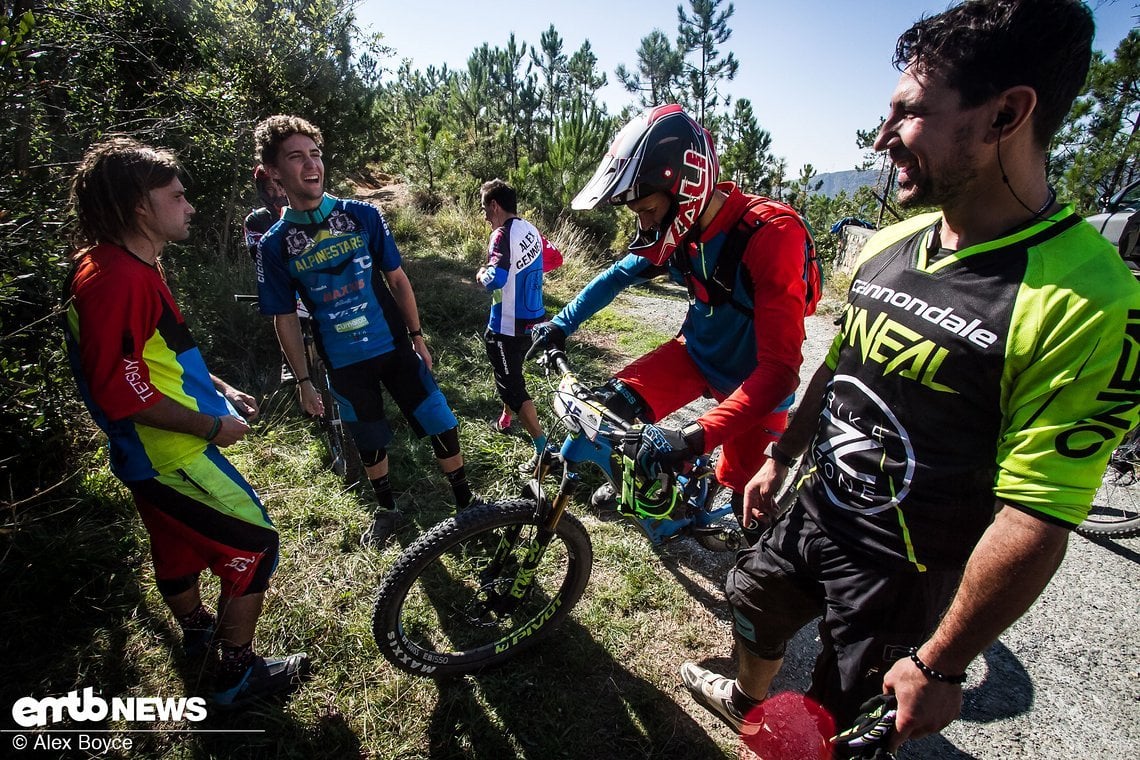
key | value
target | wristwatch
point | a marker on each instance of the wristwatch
(778, 455)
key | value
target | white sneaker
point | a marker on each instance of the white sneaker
(712, 692)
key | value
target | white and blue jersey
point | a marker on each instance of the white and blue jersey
(513, 274)
(334, 257)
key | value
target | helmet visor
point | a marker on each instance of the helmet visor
(613, 180)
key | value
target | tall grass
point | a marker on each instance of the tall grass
(78, 606)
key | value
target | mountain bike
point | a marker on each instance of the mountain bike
(1115, 509)
(495, 579)
(343, 458)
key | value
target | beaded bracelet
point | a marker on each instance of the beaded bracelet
(304, 379)
(930, 672)
(217, 426)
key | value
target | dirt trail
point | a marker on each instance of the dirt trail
(1063, 682)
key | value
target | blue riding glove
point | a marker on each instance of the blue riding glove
(547, 334)
(662, 448)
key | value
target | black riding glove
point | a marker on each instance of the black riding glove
(662, 448)
(871, 734)
(546, 335)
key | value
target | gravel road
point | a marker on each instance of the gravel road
(1060, 683)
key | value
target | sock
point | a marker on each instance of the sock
(741, 701)
(459, 486)
(233, 662)
(539, 443)
(383, 488)
(505, 420)
(199, 619)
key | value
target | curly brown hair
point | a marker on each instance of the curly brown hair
(499, 191)
(270, 133)
(113, 176)
(983, 47)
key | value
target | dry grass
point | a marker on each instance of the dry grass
(79, 607)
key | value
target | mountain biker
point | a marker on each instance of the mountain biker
(146, 385)
(341, 259)
(273, 202)
(517, 257)
(271, 195)
(741, 337)
(986, 363)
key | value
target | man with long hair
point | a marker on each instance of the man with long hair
(146, 385)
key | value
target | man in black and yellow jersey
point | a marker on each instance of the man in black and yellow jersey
(985, 368)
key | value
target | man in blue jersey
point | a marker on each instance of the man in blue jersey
(340, 258)
(517, 257)
(985, 368)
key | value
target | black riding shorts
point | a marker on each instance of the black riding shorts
(507, 353)
(357, 388)
(870, 614)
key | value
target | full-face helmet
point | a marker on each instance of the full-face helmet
(645, 496)
(660, 150)
(269, 191)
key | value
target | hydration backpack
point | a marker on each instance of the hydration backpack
(717, 289)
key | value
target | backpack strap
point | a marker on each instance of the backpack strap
(763, 210)
(719, 287)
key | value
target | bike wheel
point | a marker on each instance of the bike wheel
(444, 609)
(1115, 511)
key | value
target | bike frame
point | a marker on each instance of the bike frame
(593, 432)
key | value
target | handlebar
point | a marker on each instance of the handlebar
(245, 298)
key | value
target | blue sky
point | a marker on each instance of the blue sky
(815, 70)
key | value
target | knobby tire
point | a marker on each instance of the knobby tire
(442, 610)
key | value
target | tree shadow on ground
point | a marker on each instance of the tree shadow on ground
(74, 615)
(620, 715)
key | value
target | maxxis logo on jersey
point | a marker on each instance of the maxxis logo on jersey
(865, 462)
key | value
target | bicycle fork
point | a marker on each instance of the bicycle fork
(535, 548)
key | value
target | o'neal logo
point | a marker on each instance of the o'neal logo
(863, 453)
(1120, 396)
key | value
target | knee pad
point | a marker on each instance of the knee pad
(446, 444)
(622, 400)
(373, 458)
(169, 587)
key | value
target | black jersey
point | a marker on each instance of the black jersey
(1005, 370)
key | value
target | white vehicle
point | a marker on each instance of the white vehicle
(1115, 212)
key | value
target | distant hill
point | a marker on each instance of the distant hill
(850, 181)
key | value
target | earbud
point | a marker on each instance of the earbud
(1004, 119)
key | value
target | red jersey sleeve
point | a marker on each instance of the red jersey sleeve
(118, 310)
(551, 256)
(775, 263)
